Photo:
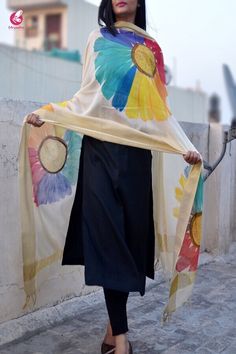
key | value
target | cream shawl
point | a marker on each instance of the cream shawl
(122, 99)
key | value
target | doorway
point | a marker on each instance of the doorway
(53, 31)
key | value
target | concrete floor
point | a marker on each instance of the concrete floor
(207, 326)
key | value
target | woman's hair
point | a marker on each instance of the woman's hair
(106, 14)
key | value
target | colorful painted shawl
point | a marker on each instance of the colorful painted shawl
(122, 99)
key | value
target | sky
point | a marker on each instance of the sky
(196, 37)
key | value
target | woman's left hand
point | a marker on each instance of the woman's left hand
(192, 157)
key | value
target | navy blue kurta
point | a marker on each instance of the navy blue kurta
(111, 228)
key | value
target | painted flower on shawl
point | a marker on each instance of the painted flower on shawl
(190, 249)
(53, 157)
(189, 253)
(130, 70)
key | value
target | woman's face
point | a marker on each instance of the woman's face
(124, 9)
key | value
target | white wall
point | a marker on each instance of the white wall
(26, 75)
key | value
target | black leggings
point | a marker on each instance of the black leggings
(116, 307)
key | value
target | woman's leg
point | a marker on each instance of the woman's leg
(109, 339)
(116, 307)
(116, 302)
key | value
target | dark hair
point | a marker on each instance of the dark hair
(106, 14)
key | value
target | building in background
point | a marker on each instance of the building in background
(188, 105)
(51, 24)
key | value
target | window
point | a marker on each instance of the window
(31, 26)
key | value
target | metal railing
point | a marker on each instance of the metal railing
(228, 137)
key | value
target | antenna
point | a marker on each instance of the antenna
(174, 70)
(231, 88)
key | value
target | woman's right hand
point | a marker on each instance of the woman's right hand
(34, 119)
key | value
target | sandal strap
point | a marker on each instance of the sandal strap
(111, 351)
(107, 348)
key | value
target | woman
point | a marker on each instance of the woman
(118, 248)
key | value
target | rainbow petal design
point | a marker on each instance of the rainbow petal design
(190, 250)
(130, 70)
(54, 156)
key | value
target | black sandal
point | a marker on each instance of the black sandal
(107, 348)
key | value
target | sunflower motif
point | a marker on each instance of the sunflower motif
(189, 253)
(54, 157)
(130, 70)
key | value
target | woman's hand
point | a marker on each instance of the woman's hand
(34, 119)
(192, 157)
